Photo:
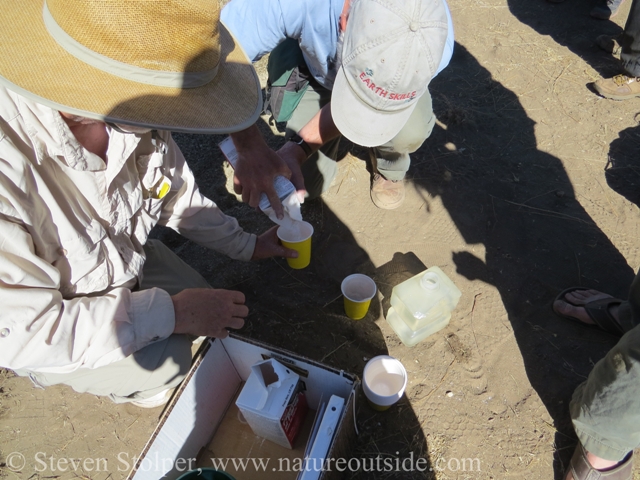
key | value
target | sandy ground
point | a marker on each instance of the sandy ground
(527, 185)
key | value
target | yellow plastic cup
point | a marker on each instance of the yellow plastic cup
(300, 241)
(383, 381)
(357, 290)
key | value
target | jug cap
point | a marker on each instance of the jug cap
(430, 281)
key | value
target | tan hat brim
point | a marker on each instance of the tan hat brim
(359, 122)
(35, 66)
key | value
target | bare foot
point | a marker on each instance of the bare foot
(596, 462)
(581, 297)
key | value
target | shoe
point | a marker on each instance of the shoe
(158, 400)
(610, 44)
(598, 311)
(607, 10)
(619, 87)
(581, 469)
(387, 194)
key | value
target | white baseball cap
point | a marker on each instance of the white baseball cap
(392, 50)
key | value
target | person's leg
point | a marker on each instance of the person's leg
(391, 161)
(149, 371)
(286, 66)
(392, 158)
(629, 311)
(320, 168)
(605, 409)
(153, 369)
(164, 269)
(630, 41)
(606, 9)
(623, 87)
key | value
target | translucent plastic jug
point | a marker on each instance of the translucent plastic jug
(422, 305)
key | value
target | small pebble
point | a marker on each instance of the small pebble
(449, 394)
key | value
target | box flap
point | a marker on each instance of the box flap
(188, 425)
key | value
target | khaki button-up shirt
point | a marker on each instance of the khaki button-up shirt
(72, 229)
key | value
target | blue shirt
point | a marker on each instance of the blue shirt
(260, 25)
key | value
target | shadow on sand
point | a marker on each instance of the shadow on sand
(500, 191)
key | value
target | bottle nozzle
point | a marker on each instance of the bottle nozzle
(429, 281)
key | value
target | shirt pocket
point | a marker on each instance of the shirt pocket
(155, 184)
(84, 263)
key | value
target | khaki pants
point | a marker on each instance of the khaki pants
(156, 367)
(605, 409)
(630, 41)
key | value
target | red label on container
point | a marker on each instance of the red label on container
(294, 415)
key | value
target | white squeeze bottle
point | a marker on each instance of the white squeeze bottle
(422, 305)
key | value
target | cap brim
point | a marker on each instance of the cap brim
(360, 123)
(35, 66)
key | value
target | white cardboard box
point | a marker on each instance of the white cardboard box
(201, 423)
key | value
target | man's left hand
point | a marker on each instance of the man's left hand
(268, 245)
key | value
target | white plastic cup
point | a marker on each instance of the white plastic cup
(384, 380)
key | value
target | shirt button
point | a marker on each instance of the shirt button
(5, 332)
(62, 251)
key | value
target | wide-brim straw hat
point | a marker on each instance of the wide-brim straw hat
(166, 64)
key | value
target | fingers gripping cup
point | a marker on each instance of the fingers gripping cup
(298, 238)
(383, 381)
(358, 290)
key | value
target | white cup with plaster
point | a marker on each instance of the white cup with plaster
(384, 380)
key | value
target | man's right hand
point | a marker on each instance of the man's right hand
(208, 311)
(294, 156)
(256, 169)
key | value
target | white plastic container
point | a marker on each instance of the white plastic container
(422, 305)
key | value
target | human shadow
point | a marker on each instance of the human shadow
(504, 193)
(623, 168)
(569, 24)
(499, 190)
(296, 310)
(302, 310)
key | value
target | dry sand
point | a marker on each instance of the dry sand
(529, 184)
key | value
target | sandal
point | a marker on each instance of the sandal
(598, 311)
(581, 469)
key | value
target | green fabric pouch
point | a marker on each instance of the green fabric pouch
(288, 80)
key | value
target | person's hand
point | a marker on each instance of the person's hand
(256, 169)
(293, 155)
(208, 311)
(268, 245)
